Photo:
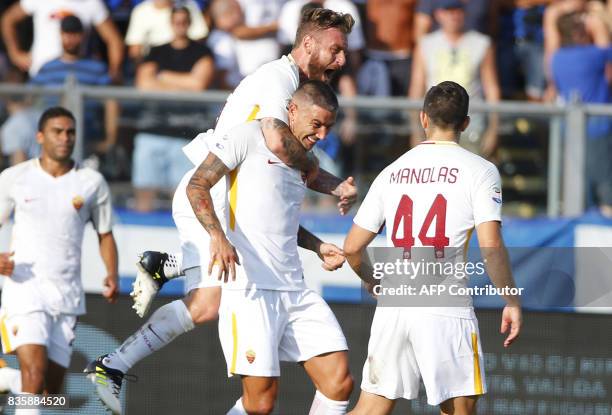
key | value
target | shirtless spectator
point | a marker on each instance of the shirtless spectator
(47, 45)
(389, 45)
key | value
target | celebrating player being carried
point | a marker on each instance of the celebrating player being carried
(318, 53)
(53, 198)
(438, 344)
(267, 313)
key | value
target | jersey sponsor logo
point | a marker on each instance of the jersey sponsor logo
(219, 146)
(497, 200)
(250, 356)
(78, 202)
(29, 199)
(273, 162)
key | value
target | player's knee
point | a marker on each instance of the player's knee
(261, 405)
(203, 313)
(339, 387)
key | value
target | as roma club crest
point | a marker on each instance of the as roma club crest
(78, 202)
(250, 356)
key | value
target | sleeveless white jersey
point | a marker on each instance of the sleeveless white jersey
(433, 196)
(50, 218)
(265, 197)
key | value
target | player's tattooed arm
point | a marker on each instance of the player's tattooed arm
(330, 254)
(198, 192)
(222, 253)
(281, 141)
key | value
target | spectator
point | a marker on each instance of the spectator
(595, 24)
(150, 26)
(181, 65)
(389, 41)
(521, 48)
(18, 133)
(85, 71)
(452, 54)
(47, 44)
(579, 71)
(256, 37)
(480, 15)
(226, 15)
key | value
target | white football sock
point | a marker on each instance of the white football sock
(322, 405)
(173, 267)
(238, 409)
(166, 324)
(23, 411)
(10, 380)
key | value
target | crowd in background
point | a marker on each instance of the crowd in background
(536, 50)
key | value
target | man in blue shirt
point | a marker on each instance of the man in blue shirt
(579, 73)
(85, 71)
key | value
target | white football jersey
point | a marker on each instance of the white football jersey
(263, 94)
(50, 217)
(265, 197)
(433, 196)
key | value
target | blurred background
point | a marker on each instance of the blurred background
(538, 73)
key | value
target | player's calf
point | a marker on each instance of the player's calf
(33, 364)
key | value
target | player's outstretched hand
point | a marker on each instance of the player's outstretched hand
(512, 318)
(111, 290)
(6, 264)
(347, 193)
(332, 256)
(224, 256)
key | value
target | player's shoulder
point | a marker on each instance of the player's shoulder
(280, 70)
(89, 175)
(243, 130)
(14, 172)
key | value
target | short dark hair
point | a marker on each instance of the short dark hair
(318, 93)
(446, 105)
(53, 112)
(317, 19)
(571, 28)
(180, 8)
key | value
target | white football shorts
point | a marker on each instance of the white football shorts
(407, 345)
(260, 328)
(55, 332)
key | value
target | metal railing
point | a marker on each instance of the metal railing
(566, 141)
